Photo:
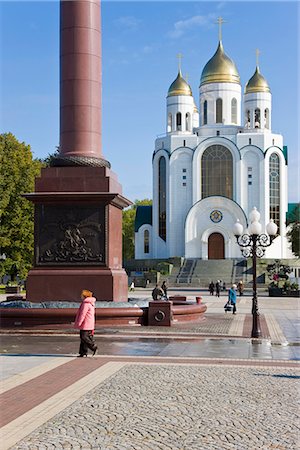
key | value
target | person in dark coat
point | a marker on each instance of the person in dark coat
(165, 289)
(218, 288)
(211, 288)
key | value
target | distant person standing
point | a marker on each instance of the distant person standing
(241, 288)
(218, 288)
(85, 321)
(131, 289)
(232, 297)
(164, 287)
(211, 288)
(224, 286)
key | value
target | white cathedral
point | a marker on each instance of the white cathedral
(212, 166)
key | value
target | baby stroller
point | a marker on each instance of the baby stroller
(228, 306)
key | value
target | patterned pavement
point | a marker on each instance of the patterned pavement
(195, 387)
(153, 403)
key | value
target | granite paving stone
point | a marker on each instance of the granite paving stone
(186, 407)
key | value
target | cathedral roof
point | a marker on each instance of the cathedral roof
(220, 69)
(257, 83)
(179, 86)
(143, 216)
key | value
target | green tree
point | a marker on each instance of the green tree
(18, 170)
(293, 233)
(128, 227)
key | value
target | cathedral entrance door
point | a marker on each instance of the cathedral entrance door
(216, 246)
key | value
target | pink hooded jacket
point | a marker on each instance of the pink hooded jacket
(85, 317)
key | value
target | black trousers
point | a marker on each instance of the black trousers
(86, 342)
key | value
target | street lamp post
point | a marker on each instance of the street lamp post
(253, 244)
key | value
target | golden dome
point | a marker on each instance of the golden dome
(179, 86)
(220, 69)
(257, 83)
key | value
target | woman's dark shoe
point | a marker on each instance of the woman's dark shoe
(81, 356)
(95, 350)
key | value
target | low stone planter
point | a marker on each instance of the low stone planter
(275, 292)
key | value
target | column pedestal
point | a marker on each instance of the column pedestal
(78, 235)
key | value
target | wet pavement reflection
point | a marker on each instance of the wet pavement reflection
(164, 347)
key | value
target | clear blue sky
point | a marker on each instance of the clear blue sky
(140, 43)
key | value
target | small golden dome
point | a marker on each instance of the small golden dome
(179, 86)
(220, 69)
(257, 83)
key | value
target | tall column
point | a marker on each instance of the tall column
(80, 84)
(78, 210)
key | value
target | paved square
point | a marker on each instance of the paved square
(185, 406)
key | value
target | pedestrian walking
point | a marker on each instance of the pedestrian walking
(232, 298)
(211, 288)
(224, 286)
(85, 322)
(131, 289)
(218, 288)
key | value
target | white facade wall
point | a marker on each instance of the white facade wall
(257, 137)
(226, 91)
(183, 104)
(180, 197)
(261, 101)
(253, 179)
(139, 242)
(199, 227)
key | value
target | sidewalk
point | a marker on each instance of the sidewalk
(198, 387)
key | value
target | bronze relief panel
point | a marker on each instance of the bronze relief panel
(70, 235)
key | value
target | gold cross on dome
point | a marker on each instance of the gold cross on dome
(179, 56)
(257, 51)
(220, 22)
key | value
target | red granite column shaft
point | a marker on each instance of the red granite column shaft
(80, 79)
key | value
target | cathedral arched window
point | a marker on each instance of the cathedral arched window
(178, 121)
(146, 241)
(162, 198)
(169, 123)
(274, 179)
(267, 118)
(188, 122)
(217, 172)
(257, 118)
(219, 110)
(205, 112)
(234, 110)
(247, 119)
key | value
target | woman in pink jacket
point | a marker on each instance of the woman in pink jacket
(85, 321)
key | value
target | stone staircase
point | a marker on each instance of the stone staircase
(186, 272)
(198, 272)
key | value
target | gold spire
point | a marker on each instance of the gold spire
(257, 82)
